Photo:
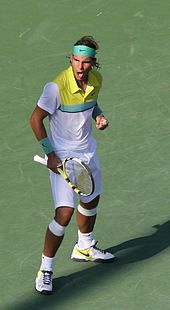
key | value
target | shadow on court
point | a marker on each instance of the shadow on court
(131, 251)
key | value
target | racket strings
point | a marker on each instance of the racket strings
(79, 176)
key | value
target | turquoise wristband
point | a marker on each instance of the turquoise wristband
(46, 145)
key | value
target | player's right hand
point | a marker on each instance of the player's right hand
(53, 162)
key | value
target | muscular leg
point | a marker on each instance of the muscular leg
(52, 243)
(53, 239)
(86, 223)
(85, 249)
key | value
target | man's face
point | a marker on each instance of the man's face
(81, 66)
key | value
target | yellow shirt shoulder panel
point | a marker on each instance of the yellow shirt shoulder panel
(70, 93)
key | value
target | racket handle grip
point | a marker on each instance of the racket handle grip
(40, 160)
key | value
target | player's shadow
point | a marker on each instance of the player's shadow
(141, 248)
(128, 252)
(66, 288)
(131, 251)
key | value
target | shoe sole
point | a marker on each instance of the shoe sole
(94, 261)
(44, 292)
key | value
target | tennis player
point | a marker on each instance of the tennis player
(70, 103)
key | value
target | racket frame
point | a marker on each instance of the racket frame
(62, 171)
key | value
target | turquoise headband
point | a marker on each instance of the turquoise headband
(83, 50)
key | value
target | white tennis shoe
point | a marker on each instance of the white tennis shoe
(43, 282)
(92, 254)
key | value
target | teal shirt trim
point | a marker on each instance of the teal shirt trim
(77, 107)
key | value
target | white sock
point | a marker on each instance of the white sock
(84, 240)
(46, 263)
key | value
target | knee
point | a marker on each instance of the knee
(63, 215)
(91, 204)
(56, 229)
(87, 212)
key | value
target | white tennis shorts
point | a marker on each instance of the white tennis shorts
(63, 194)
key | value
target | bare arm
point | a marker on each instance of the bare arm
(36, 121)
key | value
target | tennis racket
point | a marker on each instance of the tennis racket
(76, 174)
